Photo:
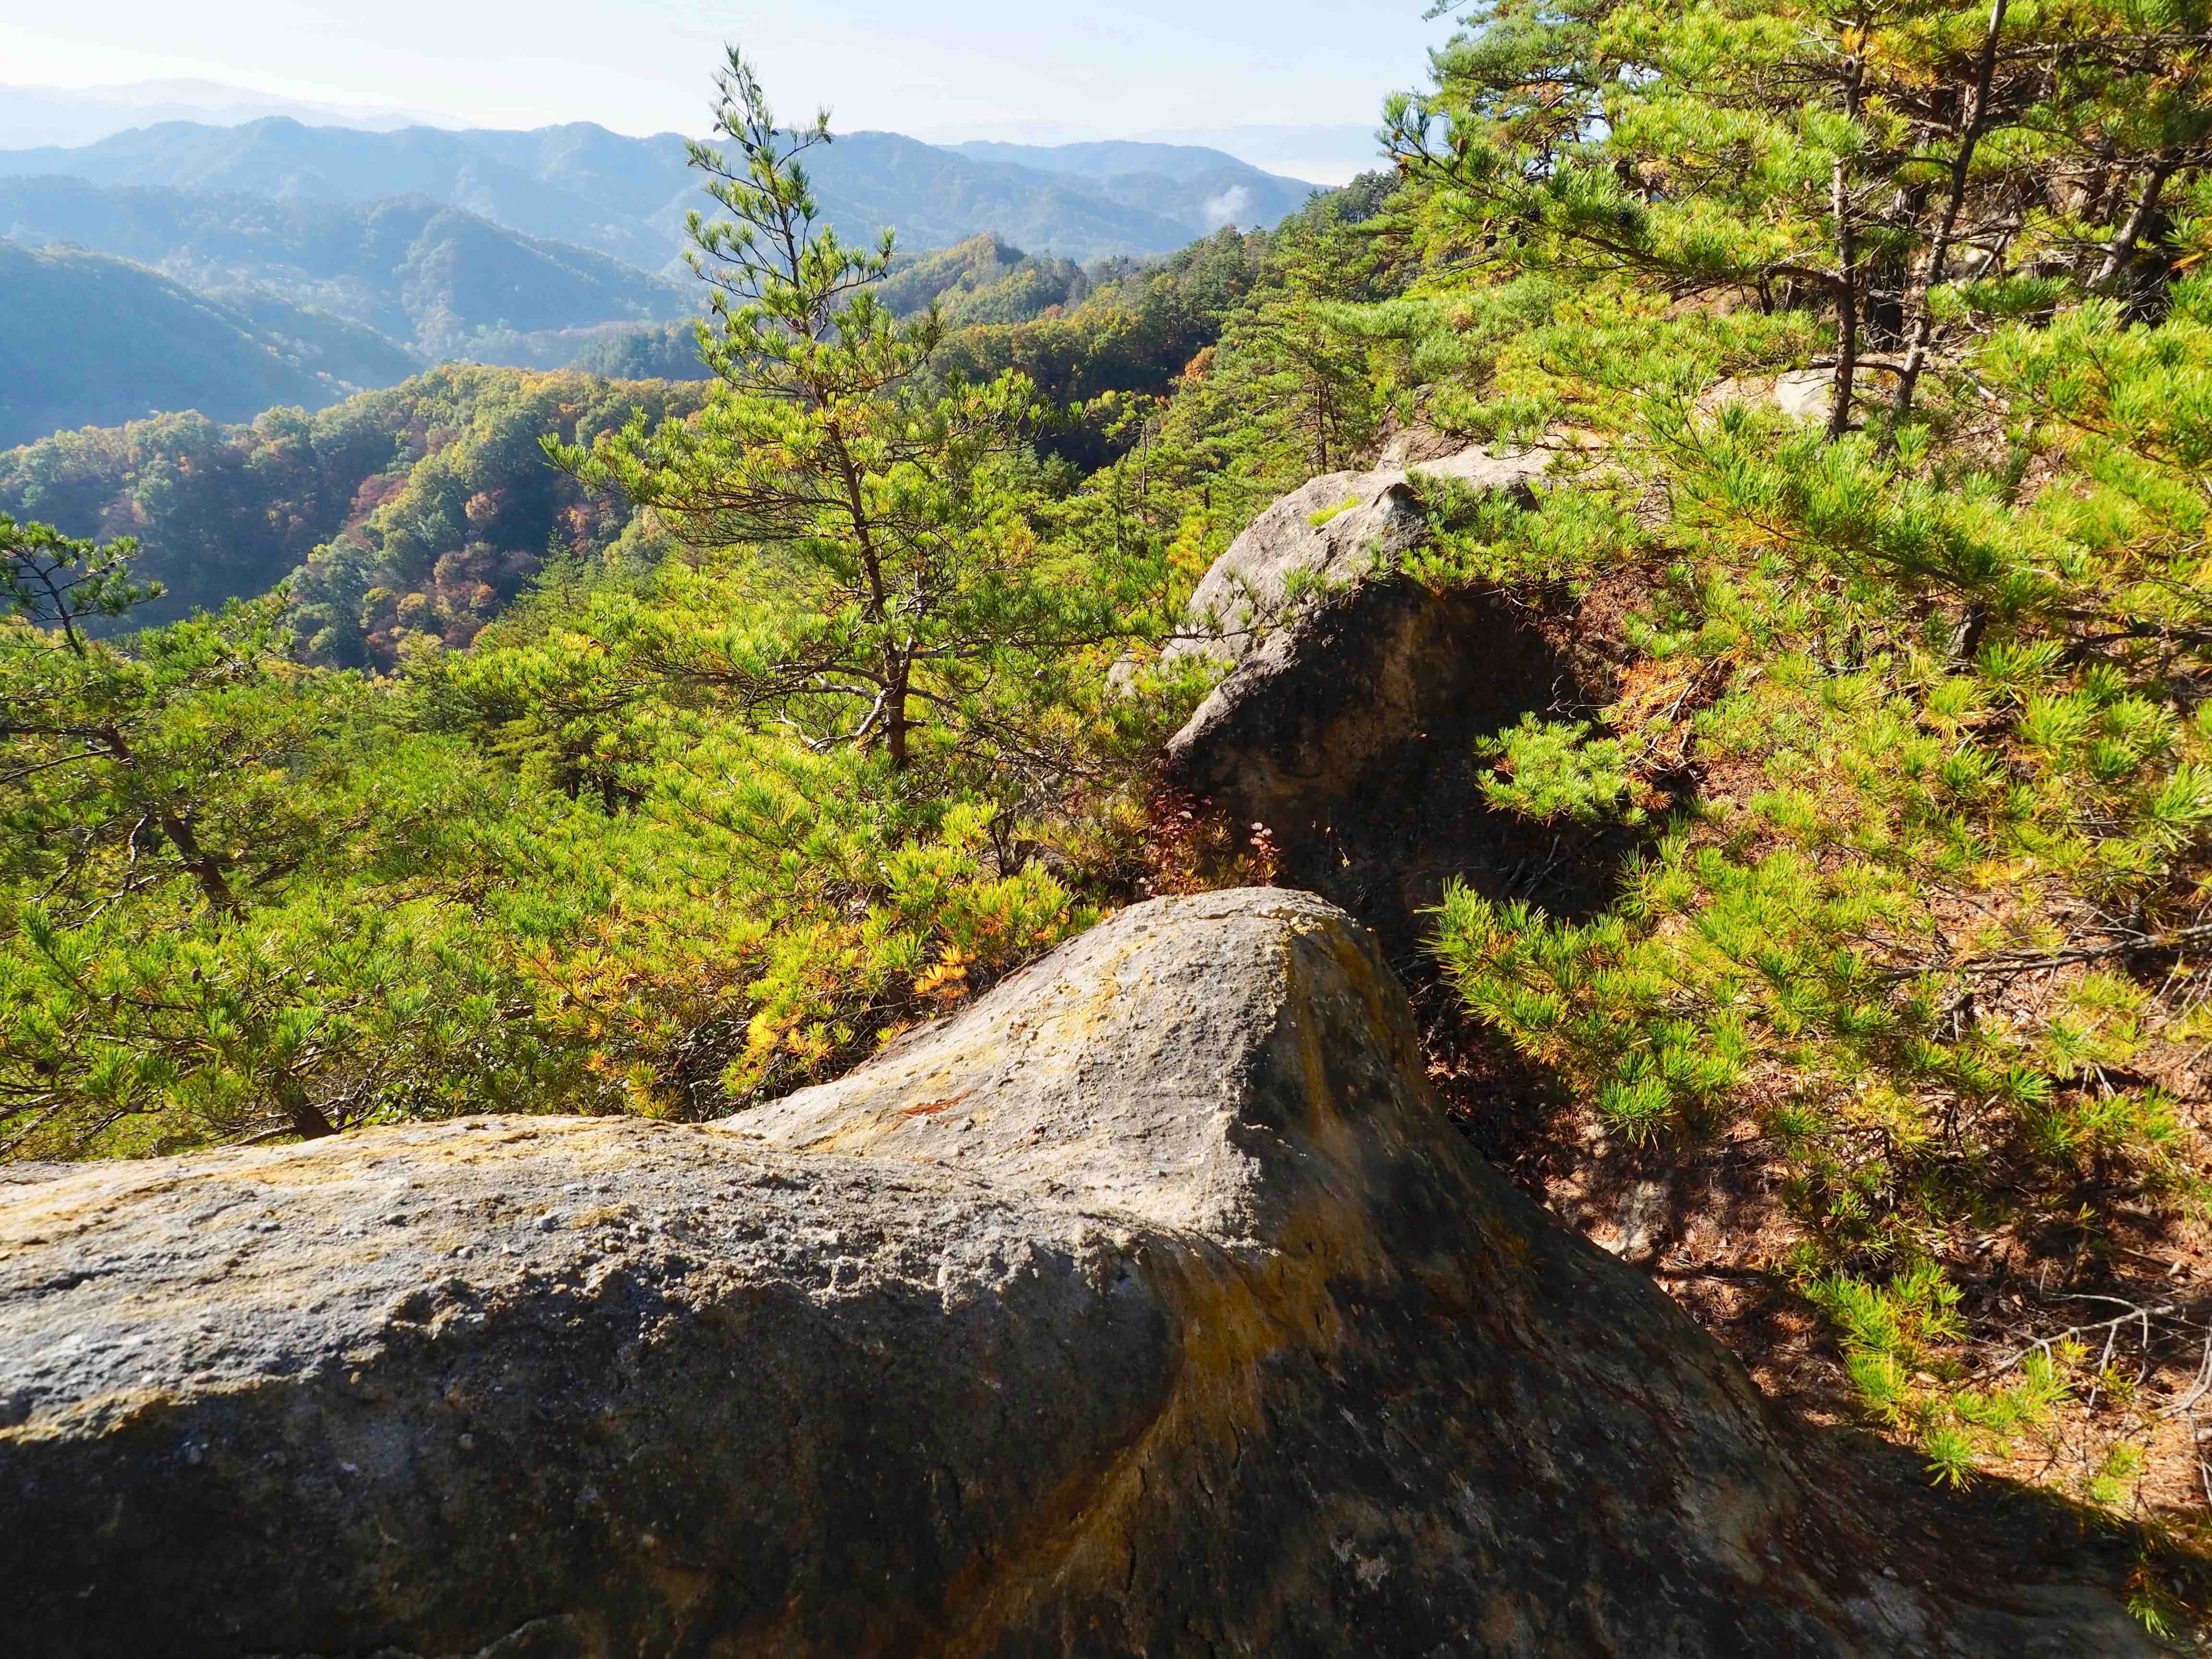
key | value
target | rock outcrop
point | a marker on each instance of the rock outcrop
(1353, 697)
(1334, 660)
(1149, 1307)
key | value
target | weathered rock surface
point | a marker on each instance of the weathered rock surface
(1334, 660)
(1149, 1307)
(1802, 394)
(1347, 720)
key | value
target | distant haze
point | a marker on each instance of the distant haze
(68, 116)
(36, 117)
(1326, 154)
(1293, 86)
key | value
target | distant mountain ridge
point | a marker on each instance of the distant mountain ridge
(1334, 152)
(86, 340)
(84, 115)
(274, 263)
(499, 176)
(1200, 188)
(439, 279)
(1114, 158)
(627, 198)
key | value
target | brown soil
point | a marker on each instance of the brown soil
(1712, 1227)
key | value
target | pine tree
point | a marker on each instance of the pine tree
(873, 532)
(114, 792)
(128, 774)
(1912, 714)
(1862, 160)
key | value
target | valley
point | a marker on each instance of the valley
(73, 334)
(339, 259)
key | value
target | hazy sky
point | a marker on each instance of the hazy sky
(986, 68)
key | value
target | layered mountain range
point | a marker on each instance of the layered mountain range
(627, 198)
(89, 340)
(303, 263)
(438, 281)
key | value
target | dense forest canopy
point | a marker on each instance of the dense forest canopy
(424, 508)
(803, 701)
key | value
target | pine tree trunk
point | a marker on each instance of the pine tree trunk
(205, 869)
(1939, 251)
(895, 724)
(307, 1118)
(1847, 257)
(2123, 245)
(1847, 309)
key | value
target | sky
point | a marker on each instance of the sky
(986, 68)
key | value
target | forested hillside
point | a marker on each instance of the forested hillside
(225, 511)
(982, 280)
(670, 352)
(433, 497)
(1848, 974)
(74, 335)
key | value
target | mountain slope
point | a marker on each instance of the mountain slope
(435, 488)
(627, 197)
(936, 198)
(88, 340)
(979, 280)
(982, 280)
(446, 282)
(281, 158)
(1201, 188)
(1116, 158)
(1330, 153)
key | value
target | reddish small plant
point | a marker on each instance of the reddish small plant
(1190, 845)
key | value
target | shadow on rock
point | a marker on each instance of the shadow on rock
(1348, 720)
(1152, 1305)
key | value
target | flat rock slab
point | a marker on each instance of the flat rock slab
(1149, 1307)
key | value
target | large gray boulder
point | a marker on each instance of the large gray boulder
(1352, 700)
(1149, 1307)
(1334, 660)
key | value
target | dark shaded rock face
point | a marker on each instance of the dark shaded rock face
(1149, 1307)
(1347, 721)
(1335, 658)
